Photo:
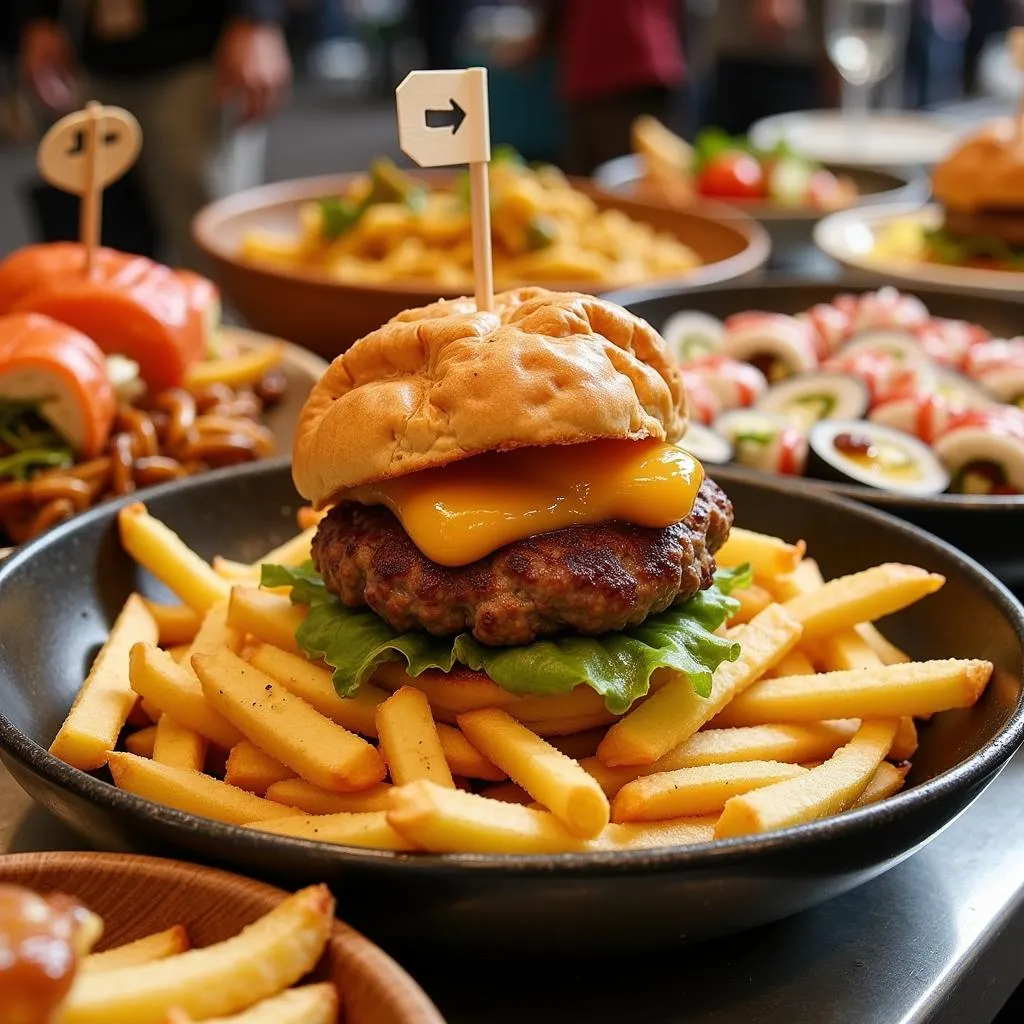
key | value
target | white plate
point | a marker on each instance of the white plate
(852, 236)
(884, 139)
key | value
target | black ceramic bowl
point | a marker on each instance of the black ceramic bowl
(986, 527)
(60, 594)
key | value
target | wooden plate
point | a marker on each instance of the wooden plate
(136, 896)
(326, 315)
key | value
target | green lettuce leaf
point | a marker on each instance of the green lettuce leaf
(354, 641)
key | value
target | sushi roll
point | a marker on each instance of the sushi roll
(691, 335)
(988, 358)
(764, 440)
(706, 445)
(734, 383)
(887, 378)
(947, 342)
(701, 402)
(831, 324)
(900, 345)
(961, 391)
(876, 456)
(984, 452)
(778, 345)
(810, 397)
(889, 308)
(926, 416)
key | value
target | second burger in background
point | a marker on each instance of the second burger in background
(509, 512)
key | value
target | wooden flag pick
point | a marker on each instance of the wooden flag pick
(443, 120)
(1015, 42)
(85, 152)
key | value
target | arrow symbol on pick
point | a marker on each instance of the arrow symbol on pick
(451, 118)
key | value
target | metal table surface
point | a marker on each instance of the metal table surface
(937, 940)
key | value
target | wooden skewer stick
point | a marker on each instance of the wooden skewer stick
(85, 152)
(442, 120)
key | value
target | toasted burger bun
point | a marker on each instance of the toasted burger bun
(444, 382)
(986, 172)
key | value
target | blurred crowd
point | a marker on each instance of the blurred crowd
(567, 76)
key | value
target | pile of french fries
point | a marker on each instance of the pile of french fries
(227, 720)
(247, 979)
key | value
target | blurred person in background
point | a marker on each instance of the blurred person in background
(198, 74)
(617, 60)
(770, 59)
(936, 44)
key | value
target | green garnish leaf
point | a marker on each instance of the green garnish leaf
(337, 216)
(616, 665)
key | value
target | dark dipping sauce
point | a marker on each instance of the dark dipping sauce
(39, 939)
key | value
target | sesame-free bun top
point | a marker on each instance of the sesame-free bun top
(445, 382)
(985, 173)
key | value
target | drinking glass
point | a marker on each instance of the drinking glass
(865, 41)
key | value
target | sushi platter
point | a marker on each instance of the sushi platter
(907, 401)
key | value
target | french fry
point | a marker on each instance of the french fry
(285, 726)
(408, 739)
(795, 663)
(904, 746)
(578, 745)
(557, 727)
(890, 691)
(556, 781)
(191, 792)
(887, 780)
(306, 1004)
(463, 758)
(888, 652)
(828, 789)
(138, 717)
(249, 768)
(509, 793)
(106, 698)
(269, 617)
(259, 962)
(753, 600)
(845, 650)
(367, 829)
(235, 371)
(180, 653)
(294, 551)
(452, 821)
(804, 579)
(307, 516)
(157, 946)
(768, 556)
(636, 835)
(178, 746)
(794, 744)
(692, 792)
(313, 684)
(676, 712)
(214, 634)
(147, 707)
(176, 623)
(159, 549)
(141, 742)
(157, 677)
(312, 799)
(844, 602)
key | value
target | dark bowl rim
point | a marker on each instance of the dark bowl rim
(205, 225)
(634, 299)
(910, 184)
(973, 771)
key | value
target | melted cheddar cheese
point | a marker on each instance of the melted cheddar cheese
(464, 511)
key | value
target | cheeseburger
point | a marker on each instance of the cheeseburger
(510, 520)
(981, 189)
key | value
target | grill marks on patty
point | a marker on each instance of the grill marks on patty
(585, 579)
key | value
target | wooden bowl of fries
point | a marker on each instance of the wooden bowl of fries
(951, 640)
(182, 943)
(326, 312)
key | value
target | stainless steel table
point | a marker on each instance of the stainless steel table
(938, 940)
